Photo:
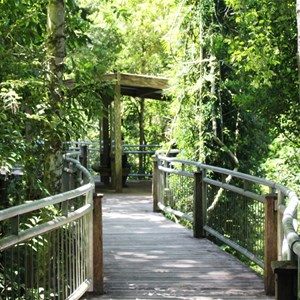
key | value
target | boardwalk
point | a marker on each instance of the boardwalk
(149, 257)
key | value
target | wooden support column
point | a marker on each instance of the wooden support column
(117, 172)
(142, 137)
(105, 154)
(155, 183)
(97, 245)
(270, 242)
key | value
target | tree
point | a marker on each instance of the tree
(298, 38)
(56, 52)
(32, 118)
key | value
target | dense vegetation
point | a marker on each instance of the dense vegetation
(232, 67)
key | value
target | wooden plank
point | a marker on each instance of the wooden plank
(147, 256)
(143, 81)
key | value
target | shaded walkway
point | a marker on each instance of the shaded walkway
(149, 257)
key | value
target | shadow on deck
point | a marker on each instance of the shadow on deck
(147, 256)
(134, 187)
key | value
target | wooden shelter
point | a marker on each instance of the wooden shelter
(147, 87)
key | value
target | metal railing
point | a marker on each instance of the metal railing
(252, 215)
(139, 156)
(46, 245)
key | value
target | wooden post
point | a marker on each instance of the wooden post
(285, 280)
(270, 242)
(98, 245)
(199, 207)
(105, 152)
(142, 138)
(155, 183)
(117, 172)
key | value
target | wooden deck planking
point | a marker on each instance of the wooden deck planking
(147, 256)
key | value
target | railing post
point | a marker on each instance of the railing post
(199, 207)
(155, 183)
(97, 245)
(270, 242)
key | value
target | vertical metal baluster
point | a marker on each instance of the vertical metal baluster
(58, 263)
(43, 267)
(56, 267)
(2, 270)
(63, 256)
(261, 213)
(85, 236)
(11, 275)
(84, 247)
(63, 262)
(32, 271)
(76, 253)
(54, 288)
(38, 267)
(68, 259)
(18, 270)
(77, 256)
(49, 257)
(80, 250)
(26, 257)
(15, 230)
(73, 259)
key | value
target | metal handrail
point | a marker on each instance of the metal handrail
(167, 165)
(132, 151)
(84, 212)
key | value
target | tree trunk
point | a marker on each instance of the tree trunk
(298, 40)
(56, 53)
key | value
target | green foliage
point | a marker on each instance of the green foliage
(28, 118)
(283, 163)
(235, 81)
(232, 65)
(262, 53)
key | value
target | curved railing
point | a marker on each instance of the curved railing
(139, 156)
(46, 245)
(255, 216)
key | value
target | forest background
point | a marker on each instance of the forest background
(233, 72)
